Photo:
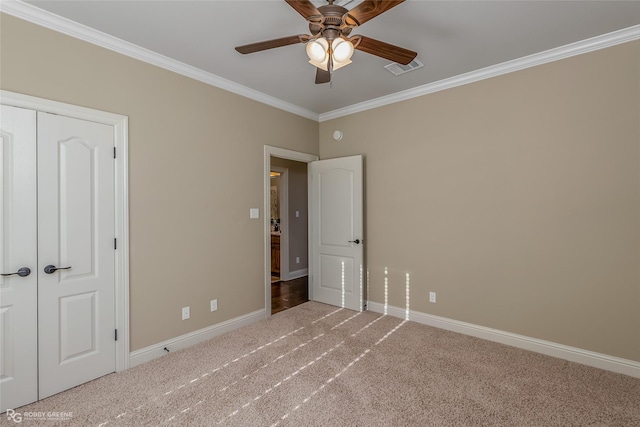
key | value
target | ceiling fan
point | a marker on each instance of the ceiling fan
(329, 46)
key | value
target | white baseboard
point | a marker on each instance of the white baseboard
(573, 354)
(187, 340)
(298, 273)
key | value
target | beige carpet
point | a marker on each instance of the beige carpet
(315, 365)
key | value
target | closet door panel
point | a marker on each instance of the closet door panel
(18, 250)
(76, 238)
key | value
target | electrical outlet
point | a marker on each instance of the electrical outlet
(432, 297)
(297, 260)
(186, 313)
(214, 304)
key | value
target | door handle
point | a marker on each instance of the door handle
(357, 241)
(22, 272)
(50, 269)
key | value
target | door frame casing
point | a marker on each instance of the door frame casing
(282, 153)
(120, 124)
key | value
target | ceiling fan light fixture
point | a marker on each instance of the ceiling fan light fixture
(330, 46)
(317, 50)
(342, 50)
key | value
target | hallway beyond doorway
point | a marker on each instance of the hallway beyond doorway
(288, 294)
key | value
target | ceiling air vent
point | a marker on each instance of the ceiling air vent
(398, 69)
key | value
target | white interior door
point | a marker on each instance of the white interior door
(60, 187)
(76, 303)
(18, 240)
(336, 234)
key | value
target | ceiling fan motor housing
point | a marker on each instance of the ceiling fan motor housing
(332, 22)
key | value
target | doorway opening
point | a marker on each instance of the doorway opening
(286, 228)
(289, 234)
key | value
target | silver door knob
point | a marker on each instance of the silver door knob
(22, 272)
(50, 269)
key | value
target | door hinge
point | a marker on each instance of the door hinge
(116, 335)
(115, 243)
(114, 152)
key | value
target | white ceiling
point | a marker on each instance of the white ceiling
(451, 38)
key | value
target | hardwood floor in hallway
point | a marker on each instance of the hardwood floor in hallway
(288, 294)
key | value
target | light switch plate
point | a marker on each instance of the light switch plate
(254, 213)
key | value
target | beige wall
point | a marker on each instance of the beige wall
(516, 199)
(298, 234)
(196, 167)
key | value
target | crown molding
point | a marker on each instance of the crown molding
(556, 54)
(71, 28)
(74, 29)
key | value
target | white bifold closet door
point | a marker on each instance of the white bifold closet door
(58, 220)
(18, 236)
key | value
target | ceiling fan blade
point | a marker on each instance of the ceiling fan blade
(368, 10)
(304, 8)
(322, 76)
(270, 44)
(385, 50)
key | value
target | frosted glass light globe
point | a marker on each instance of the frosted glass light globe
(342, 50)
(317, 50)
